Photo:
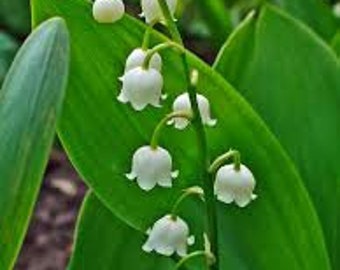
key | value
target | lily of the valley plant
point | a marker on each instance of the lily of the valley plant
(226, 179)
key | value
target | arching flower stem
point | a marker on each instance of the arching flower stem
(146, 38)
(158, 48)
(234, 154)
(195, 254)
(208, 184)
(162, 123)
(170, 23)
(197, 191)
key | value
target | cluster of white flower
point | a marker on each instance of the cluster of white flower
(110, 11)
(142, 85)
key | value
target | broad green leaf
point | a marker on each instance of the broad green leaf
(336, 43)
(100, 136)
(16, 15)
(315, 13)
(293, 80)
(8, 47)
(105, 242)
(30, 102)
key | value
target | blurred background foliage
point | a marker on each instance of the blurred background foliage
(8, 47)
(206, 24)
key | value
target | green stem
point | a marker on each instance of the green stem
(162, 123)
(147, 35)
(225, 157)
(199, 253)
(146, 39)
(187, 192)
(159, 48)
(170, 23)
(208, 185)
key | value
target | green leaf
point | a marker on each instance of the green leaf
(100, 135)
(8, 48)
(104, 242)
(315, 13)
(16, 15)
(30, 102)
(336, 43)
(293, 80)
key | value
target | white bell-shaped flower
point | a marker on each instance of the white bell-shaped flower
(182, 103)
(169, 235)
(108, 11)
(141, 87)
(235, 185)
(151, 167)
(137, 57)
(336, 10)
(152, 11)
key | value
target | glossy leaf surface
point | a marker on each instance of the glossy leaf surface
(30, 102)
(293, 81)
(101, 134)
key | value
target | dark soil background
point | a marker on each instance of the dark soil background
(48, 243)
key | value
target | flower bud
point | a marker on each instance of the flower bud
(151, 167)
(235, 185)
(169, 235)
(152, 11)
(108, 11)
(141, 87)
(182, 103)
(137, 57)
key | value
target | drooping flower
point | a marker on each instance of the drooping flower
(141, 87)
(151, 167)
(182, 103)
(137, 57)
(169, 235)
(235, 185)
(108, 11)
(336, 10)
(152, 11)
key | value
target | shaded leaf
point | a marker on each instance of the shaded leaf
(16, 15)
(315, 13)
(104, 242)
(8, 47)
(30, 102)
(293, 80)
(217, 17)
(336, 43)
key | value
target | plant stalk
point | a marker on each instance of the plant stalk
(163, 122)
(158, 48)
(182, 262)
(234, 154)
(207, 178)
